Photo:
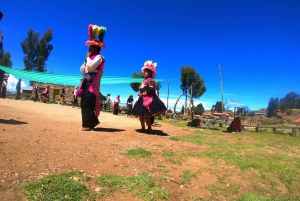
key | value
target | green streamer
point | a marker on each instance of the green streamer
(66, 79)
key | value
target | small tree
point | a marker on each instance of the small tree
(217, 107)
(36, 51)
(135, 86)
(188, 77)
(199, 109)
(272, 107)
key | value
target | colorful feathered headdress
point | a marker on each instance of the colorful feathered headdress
(151, 66)
(96, 35)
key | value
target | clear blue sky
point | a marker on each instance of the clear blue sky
(256, 42)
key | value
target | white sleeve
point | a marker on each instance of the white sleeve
(91, 65)
(82, 68)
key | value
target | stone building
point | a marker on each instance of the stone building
(55, 91)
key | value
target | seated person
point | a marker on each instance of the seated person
(236, 125)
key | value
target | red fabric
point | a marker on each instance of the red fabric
(236, 124)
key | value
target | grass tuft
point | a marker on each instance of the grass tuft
(138, 153)
(141, 186)
(65, 186)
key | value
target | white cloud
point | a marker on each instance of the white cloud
(12, 83)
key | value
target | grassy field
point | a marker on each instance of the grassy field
(268, 162)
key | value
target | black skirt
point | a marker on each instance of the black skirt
(88, 100)
(156, 107)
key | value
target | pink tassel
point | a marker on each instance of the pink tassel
(79, 92)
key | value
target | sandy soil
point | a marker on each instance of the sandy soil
(38, 139)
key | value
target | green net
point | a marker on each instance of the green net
(66, 79)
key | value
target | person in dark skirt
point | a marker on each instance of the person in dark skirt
(148, 103)
(92, 69)
(117, 105)
(129, 105)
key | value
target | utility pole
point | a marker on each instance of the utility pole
(221, 88)
(168, 94)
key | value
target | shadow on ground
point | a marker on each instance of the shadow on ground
(11, 121)
(108, 129)
(152, 132)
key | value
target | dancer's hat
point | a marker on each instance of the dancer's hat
(96, 35)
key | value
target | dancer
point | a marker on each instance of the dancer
(92, 69)
(45, 94)
(148, 103)
(62, 96)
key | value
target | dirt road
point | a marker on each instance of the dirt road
(38, 139)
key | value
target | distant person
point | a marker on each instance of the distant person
(92, 70)
(4, 85)
(236, 125)
(148, 103)
(62, 95)
(75, 99)
(45, 94)
(18, 88)
(129, 104)
(174, 116)
(226, 120)
(108, 102)
(36, 93)
(117, 105)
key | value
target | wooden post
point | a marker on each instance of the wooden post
(274, 129)
(295, 132)
(257, 129)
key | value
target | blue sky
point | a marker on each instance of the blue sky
(256, 42)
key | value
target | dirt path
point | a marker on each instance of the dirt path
(38, 139)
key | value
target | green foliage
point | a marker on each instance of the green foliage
(278, 166)
(188, 77)
(135, 86)
(4, 61)
(37, 50)
(198, 110)
(290, 101)
(251, 197)
(142, 186)
(57, 187)
(217, 107)
(138, 153)
(272, 107)
(43, 51)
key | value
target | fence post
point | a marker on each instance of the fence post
(295, 132)
(274, 129)
(257, 129)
